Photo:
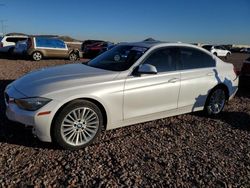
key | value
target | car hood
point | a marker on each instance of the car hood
(45, 81)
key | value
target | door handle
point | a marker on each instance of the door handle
(173, 80)
(210, 74)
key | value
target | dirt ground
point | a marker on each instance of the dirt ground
(188, 150)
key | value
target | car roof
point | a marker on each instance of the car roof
(207, 45)
(146, 44)
(150, 44)
(16, 36)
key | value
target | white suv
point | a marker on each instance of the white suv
(8, 42)
(217, 50)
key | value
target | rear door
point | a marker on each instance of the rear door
(148, 94)
(61, 49)
(198, 76)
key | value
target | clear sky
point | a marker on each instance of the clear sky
(210, 21)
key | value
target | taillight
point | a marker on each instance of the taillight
(237, 72)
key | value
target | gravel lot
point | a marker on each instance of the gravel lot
(187, 150)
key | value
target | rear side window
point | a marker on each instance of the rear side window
(164, 59)
(207, 47)
(58, 43)
(193, 58)
(49, 43)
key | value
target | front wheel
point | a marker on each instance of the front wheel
(215, 101)
(77, 125)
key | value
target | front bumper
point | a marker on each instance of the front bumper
(41, 123)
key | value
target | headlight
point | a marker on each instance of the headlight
(31, 104)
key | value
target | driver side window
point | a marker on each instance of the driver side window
(163, 59)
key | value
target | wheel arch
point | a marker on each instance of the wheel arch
(220, 85)
(75, 51)
(94, 101)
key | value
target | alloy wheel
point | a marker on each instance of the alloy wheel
(217, 101)
(37, 56)
(79, 126)
(73, 57)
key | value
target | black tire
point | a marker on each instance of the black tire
(58, 136)
(11, 52)
(215, 53)
(209, 108)
(37, 56)
(227, 56)
(73, 56)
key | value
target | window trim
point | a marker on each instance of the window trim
(48, 48)
(160, 48)
(204, 52)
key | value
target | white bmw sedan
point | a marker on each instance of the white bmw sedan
(132, 83)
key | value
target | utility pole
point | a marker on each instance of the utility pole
(2, 21)
(2, 25)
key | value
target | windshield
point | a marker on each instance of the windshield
(1, 38)
(119, 58)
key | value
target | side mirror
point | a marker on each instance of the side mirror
(147, 69)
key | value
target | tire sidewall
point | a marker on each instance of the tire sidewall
(37, 59)
(74, 55)
(207, 111)
(56, 126)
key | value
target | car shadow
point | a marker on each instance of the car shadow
(237, 120)
(16, 133)
(13, 56)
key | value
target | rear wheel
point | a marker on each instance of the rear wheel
(77, 125)
(215, 53)
(37, 56)
(73, 57)
(215, 101)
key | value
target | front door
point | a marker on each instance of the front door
(148, 94)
